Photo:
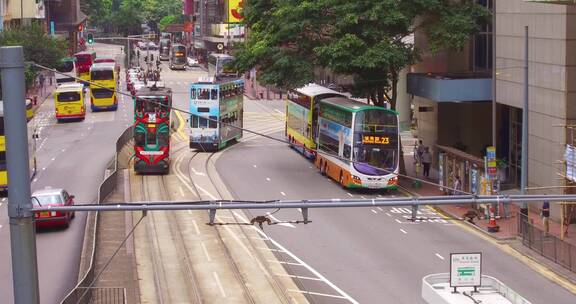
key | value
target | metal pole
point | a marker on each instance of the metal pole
(494, 124)
(22, 231)
(524, 176)
(129, 53)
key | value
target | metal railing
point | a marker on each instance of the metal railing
(546, 244)
(83, 293)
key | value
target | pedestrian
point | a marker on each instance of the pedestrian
(419, 151)
(457, 186)
(41, 79)
(426, 160)
(545, 214)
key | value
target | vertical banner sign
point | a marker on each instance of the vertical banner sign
(491, 162)
(52, 29)
(235, 11)
(474, 180)
(465, 269)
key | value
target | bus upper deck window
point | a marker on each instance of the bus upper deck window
(214, 94)
(204, 94)
(193, 93)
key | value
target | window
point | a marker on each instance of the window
(214, 94)
(68, 96)
(193, 93)
(102, 93)
(139, 139)
(482, 43)
(213, 123)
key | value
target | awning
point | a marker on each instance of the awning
(451, 87)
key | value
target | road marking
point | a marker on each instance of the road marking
(297, 277)
(195, 225)
(362, 197)
(398, 221)
(439, 256)
(277, 220)
(380, 208)
(283, 194)
(0, 226)
(53, 158)
(181, 191)
(312, 270)
(3, 199)
(321, 294)
(0, 204)
(279, 111)
(198, 173)
(205, 252)
(349, 194)
(374, 211)
(254, 166)
(217, 279)
(285, 263)
(43, 168)
(268, 179)
(404, 231)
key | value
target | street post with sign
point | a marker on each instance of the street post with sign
(466, 270)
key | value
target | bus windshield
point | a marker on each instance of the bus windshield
(68, 96)
(375, 142)
(83, 58)
(102, 75)
(151, 104)
(66, 66)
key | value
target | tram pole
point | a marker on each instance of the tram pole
(524, 176)
(22, 231)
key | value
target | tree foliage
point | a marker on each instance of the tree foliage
(362, 38)
(38, 47)
(125, 16)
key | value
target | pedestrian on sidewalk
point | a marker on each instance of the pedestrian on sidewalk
(426, 160)
(545, 214)
(457, 186)
(418, 151)
(41, 79)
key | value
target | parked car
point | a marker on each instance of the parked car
(49, 197)
(192, 61)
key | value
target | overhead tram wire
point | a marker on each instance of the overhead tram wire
(459, 191)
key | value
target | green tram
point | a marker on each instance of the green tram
(152, 107)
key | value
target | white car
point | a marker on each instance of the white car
(192, 61)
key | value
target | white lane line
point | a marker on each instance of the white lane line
(285, 263)
(403, 231)
(398, 221)
(254, 166)
(268, 179)
(388, 214)
(349, 194)
(43, 168)
(283, 194)
(279, 111)
(3, 199)
(439, 256)
(195, 225)
(277, 220)
(181, 191)
(312, 270)
(321, 294)
(0, 226)
(205, 252)
(380, 208)
(374, 211)
(217, 279)
(297, 277)
(362, 197)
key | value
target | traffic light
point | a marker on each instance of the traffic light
(90, 38)
(80, 27)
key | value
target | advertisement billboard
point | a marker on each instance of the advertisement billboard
(235, 11)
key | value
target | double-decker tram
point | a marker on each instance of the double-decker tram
(152, 130)
(302, 117)
(358, 144)
(217, 111)
(103, 87)
(220, 65)
(178, 57)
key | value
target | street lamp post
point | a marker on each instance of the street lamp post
(524, 176)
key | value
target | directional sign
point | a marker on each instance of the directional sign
(465, 269)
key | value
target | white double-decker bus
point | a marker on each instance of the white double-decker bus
(358, 144)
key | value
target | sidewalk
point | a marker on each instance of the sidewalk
(508, 227)
(41, 94)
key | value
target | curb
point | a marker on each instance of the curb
(456, 217)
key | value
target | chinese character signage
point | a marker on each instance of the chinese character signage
(465, 269)
(491, 161)
(375, 139)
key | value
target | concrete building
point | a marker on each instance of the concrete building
(16, 12)
(552, 88)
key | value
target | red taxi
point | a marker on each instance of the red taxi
(52, 198)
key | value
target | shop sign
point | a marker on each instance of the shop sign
(474, 181)
(465, 269)
(441, 170)
(570, 158)
(491, 162)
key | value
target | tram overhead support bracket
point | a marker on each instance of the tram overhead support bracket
(212, 215)
(305, 215)
(414, 212)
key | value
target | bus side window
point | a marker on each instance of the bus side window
(213, 122)
(194, 121)
(193, 93)
(202, 122)
(214, 94)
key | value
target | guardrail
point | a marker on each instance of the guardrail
(546, 244)
(83, 293)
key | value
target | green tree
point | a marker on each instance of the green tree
(363, 38)
(38, 47)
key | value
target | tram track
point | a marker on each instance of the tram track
(174, 277)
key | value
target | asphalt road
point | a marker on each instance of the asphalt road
(360, 255)
(73, 156)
